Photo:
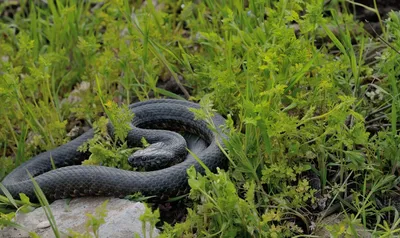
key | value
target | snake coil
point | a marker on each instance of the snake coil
(71, 180)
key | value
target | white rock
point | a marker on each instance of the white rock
(122, 219)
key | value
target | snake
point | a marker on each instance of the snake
(60, 174)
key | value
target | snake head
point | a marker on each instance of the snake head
(154, 157)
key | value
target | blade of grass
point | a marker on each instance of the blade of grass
(8, 195)
(46, 207)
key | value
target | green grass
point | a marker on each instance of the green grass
(296, 101)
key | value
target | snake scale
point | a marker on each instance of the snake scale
(163, 116)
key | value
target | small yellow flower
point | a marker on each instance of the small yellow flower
(109, 104)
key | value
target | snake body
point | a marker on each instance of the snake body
(72, 180)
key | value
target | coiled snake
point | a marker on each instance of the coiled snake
(71, 180)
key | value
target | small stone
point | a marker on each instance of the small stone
(322, 231)
(43, 225)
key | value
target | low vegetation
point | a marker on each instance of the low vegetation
(311, 102)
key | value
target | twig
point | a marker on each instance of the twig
(378, 110)
(383, 40)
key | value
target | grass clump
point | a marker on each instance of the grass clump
(311, 104)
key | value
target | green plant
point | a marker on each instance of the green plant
(151, 218)
(93, 223)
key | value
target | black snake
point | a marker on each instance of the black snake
(72, 180)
